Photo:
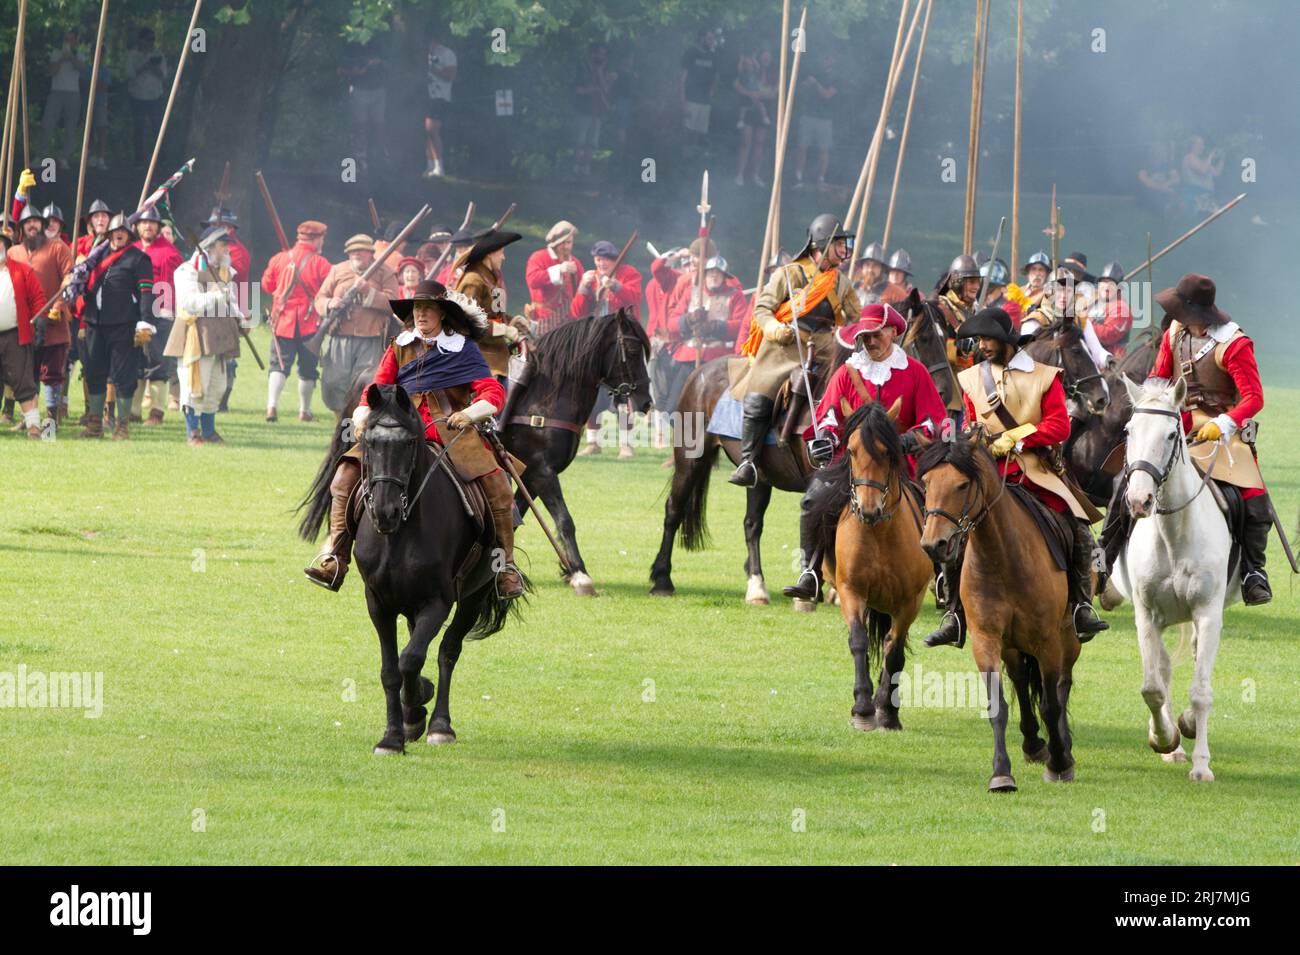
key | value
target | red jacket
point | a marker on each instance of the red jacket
(1112, 329)
(485, 389)
(628, 296)
(1239, 362)
(663, 279)
(551, 299)
(1053, 428)
(28, 297)
(297, 314)
(240, 260)
(921, 409)
(680, 331)
(165, 259)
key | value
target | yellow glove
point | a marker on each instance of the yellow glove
(459, 420)
(781, 333)
(26, 182)
(1210, 431)
(1002, 445)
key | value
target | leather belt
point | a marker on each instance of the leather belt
(541, 421)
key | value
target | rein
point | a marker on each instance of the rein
(1161, 475)
(963, 521)
(862, 514)
(407, 505)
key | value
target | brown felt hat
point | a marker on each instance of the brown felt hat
(1191, 301)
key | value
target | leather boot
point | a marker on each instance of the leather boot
(496, 488)
(1255, 589)
(758, 419)
(813, 502)
(952, 630)
(331, 564)
(1086, 622)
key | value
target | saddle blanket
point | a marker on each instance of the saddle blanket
(727, 418)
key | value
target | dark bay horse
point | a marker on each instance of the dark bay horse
(881, 574)
(420, 553)
(1015, 599)
(548, 413)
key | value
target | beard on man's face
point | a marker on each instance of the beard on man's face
(33, 240)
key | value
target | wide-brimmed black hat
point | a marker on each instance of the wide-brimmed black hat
(990, 322)
(458, 311)
(1191, 301)
(488, 242)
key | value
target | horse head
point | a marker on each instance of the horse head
(1061, 344)
(390, 444)
(875, 462)
(1155, 440)
(959, 479)
(624, 348)
(926, 341)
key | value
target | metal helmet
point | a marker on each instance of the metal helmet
(30, 212)
(716, 262)
(981, 258)
(963, 267)
(1038, 258)
(875, 252)
(117, 222)
(822, 231)
(150, 215)
(1112, 271)
(900, 261)
(99, 205)
(54, 212)
(996, 272)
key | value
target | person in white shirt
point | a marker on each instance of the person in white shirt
(63, 105)
(146, 74)
(442, 73)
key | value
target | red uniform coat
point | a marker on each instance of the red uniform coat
(628, 296)
(51, 262)
(84, 244)
(1053, 428)
(921, 409)
(663, 280)
(165, 258)
(679, 330)
(551, 298)
(485, 389)
(28, 297)
(240, 260)
(1112, 329)
(296, 315)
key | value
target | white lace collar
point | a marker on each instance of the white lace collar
(446, 341)
(878, 372)
(1221, 333)
(1020, 361)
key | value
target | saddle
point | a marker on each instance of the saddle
(1057, 529)
(1119, 525)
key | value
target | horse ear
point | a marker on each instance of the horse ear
(894, 409)
(1134, 391)
(374, 397)
(1180, 392)
(403, 399)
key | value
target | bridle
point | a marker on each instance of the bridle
(407, 501)
(1073, 386)
(622, 391)
(965, 522)
(881, 514)
(1176, 450)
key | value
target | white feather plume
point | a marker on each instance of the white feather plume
(469, 307)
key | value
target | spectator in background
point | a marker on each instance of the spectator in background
(753, 84)
(1160, 181)
(696, 84)
(816, 107)
(592, 88)
(1198, 174)
(366, 74)
(63, 105)
(99, 126)
(146, 76)
(442, 73)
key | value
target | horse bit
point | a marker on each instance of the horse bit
(1161, 475)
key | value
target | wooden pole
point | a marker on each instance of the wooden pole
(782, 137)
(1151, 259)
(968, 225)
(11, 115)
(171, 99)
(979, 117)
(771, 240)
(22, 89)
(90, 119)
(907, 124)
(11, 101)
(866, 160)
(878, 140)
(1015, 161)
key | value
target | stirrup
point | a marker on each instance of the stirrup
(961, 632)
(1096, 623)
(496, 583)
(799, 592)
(317, 563)
(740, 478)
(1268, 589)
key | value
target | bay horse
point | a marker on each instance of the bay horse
(549, 412)
(1015, 599)
(420, 553)
(873, 526)
(1175, 565)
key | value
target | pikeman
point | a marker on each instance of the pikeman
(869, 274)
(708, 329)
(20, 299)
(1110, 316)
(479, 268)
(1029, 295)
(553, 273)
(814, 285)
(54, 224)
(955, 299)
(437, 361)
(117, 302)
(898, 277)
(356, 345)
(51, 260)
(877, 370)
(292, 278)
(997, 277)
(96, 224)
(1018, 405)
(156, 368)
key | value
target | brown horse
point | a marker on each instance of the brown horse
(881, 574)
(1015, 599)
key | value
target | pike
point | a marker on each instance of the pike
(433, 269)
(270, 208)
(984, 283)
(488, 430)
(703, 209)
(335, 315)
(374, 218)
(1151, 259)
(171, 99)
(1055, 229)
(222, 193)
(90, 114)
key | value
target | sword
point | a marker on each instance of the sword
(503, 458)
(1281, 536)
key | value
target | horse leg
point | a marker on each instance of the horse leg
(1209, 628)
(989, 663)
(385, 624)
(462, 622)
(1162, 734)
(1033, 746)
(895, 659)
(1060, 764)
(685, 497)
(548, 488)
(756, 500)
(417, 690)
(863, 715)
(1064, 683)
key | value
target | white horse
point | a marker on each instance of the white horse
(1174, 567)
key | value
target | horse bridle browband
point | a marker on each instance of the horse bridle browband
(861, 513)
(407, 504)
(963, 521)
(623, 390)
(1161, 475)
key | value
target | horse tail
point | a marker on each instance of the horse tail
(695, 528)
(494, 611)
(1034, 678)
(879, 624)
(316, 503)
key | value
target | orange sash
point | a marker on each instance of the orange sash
(810, 296)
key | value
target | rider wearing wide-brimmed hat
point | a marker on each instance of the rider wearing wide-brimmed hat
(481, 281)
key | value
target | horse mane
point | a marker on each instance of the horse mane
(571, 350)
(1158, 389)
(964, 453)
(871, 423)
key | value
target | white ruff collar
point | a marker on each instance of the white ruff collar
(878, 372)
(1020, 361)
(445, 341)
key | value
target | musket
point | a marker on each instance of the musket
(1056, 230)
(350, 298)
(1185, 236)
(984, 284)
(505, 217)
(437, 265)
(270, 208)
(703, 209)
(603, 296)
(503, 458)
(374, 218)
(223, 192)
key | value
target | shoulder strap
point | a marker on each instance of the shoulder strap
(859, 385)
(994, 399)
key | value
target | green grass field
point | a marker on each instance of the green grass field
(240, 703)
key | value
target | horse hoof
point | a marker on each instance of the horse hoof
(1187, 724)
(1037, 756)
(440, 734)
(1002, 784)
(1201, 775)
(1065, 776)
(582, 585)
(1177, 741)
(864, 724)
(386, 747)
(663, 590)
(803, 606)
(413, 731)
(756, 592)
(1177, 756)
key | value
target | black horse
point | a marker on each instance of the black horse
(547, 414)
(420, 552)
